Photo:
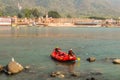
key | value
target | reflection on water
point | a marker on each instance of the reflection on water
(35, 31)
(30, 31)
(69, 66)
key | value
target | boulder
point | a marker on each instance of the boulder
(14, 67)
(61, 76)
(116, 61)
(91, 59)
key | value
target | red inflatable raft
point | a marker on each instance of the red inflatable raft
(62, 56)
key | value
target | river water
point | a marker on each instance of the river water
(32, 46)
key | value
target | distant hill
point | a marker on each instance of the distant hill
(74, 8)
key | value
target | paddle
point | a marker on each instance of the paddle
(78, 59)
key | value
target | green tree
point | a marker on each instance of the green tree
(10, 11)
(35, 13)
(20, 15)
(95, 17)
(69, 16)
(27, 12)
(53, 14)
(1, 13)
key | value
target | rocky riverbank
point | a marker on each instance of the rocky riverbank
(13, 67)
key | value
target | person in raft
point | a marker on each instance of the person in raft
(71, 53)
(57, 49)
(59, 52)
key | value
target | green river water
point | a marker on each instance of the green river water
(32, 46)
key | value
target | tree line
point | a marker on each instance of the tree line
(28, 13)
(34, 13)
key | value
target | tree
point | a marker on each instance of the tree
(53, 14)
(95, 17)
(10, 11)
(20, 15)
(27, 12)
(69, 16)
(35, 13)
(1, 13)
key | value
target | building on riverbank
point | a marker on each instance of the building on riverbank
(54, 21)
(5, 21)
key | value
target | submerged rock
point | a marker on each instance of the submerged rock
(57, 74)
(116, 61)
(91, 59)
(75, 74)
(96, 73)
(109, 59)
(27, 67)
(92, 78)
(53, 75)
(14, 67)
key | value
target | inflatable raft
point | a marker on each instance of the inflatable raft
(62, 56)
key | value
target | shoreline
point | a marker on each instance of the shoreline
(58, 22)
(59, 25)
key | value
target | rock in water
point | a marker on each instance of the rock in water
(57, 74)
(27, 67)
(75, 74)
(61, 76)
(116, 61)
(91, 59)
(14, 67)
(1, 68)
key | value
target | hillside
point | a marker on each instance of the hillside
(73, 7)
